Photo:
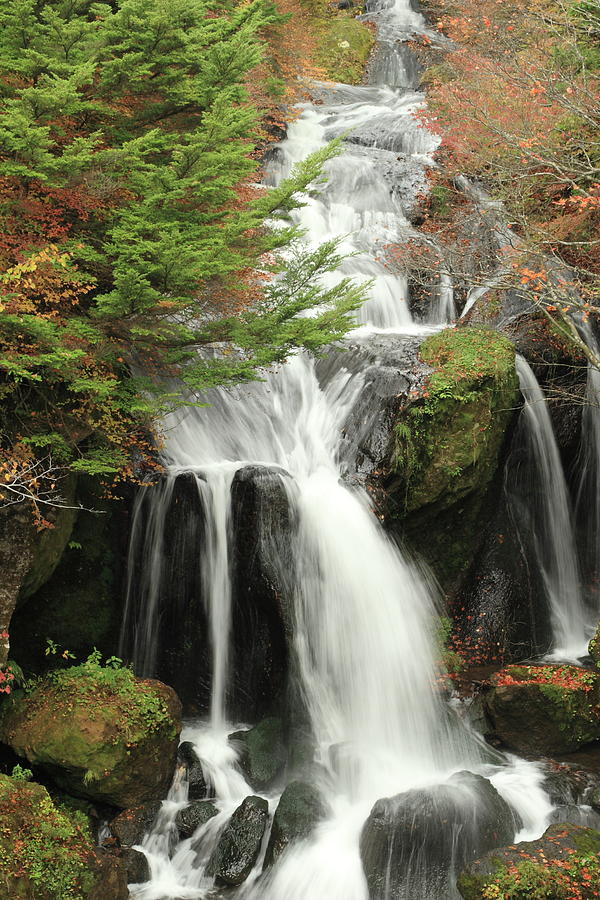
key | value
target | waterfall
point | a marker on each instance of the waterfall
(363, 614)
(442, 309)
(552, 524)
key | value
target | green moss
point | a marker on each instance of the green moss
(44, 851)
(450, 659)
(94, 728)
(343, 44)
(447, 443)
(344, 48)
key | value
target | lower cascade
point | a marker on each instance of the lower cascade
(263, 587)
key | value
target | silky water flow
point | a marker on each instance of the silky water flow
(364, 616)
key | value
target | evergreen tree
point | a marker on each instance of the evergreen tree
(130, 234)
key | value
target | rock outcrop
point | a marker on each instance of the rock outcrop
(542, 710)
(542, 864)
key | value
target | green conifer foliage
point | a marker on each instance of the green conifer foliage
(131, 234)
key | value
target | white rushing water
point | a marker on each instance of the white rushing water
(552, 525)
(364, 615)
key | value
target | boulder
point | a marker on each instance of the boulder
(98, 731)
(130, 826)
(299, 811)
(262, 753)
(136, 866)
(239, 845)
(38, 838)
(192, 816)
(411, 842)
(262, 590)
(543, 862)
(198, 787)
(541, 710)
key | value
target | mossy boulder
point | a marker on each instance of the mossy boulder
(540, 710)
(343, 45)
(448, 440)
(46, 852)
(298, 812)
(594, 647)
(98, 731)
(447, 443)
(262, 752)
(565, 860)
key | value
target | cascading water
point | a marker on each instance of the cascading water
(552, 525)
(363, 615)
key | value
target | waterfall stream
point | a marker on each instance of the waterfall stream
(363, 615)
(552, 525)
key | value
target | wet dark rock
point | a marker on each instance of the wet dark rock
(568, 784)
(505, 612)
(130, 826)
(81, 605)
(391, 368)
(409, 842)
(178, 649)
(136, 866)
(28, 556)
(535, 715)
(193, 816)
(299, 811)
(559, 842)
(344, 4)
(262, 752)
(198, 787)
(262, 589)
(239, 845)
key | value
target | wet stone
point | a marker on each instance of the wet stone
(197, 813)
(130, 826)
(199, 788)
(239, 846)
(299, 811)
(136, 866)
(410, 842)
(262, 752)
